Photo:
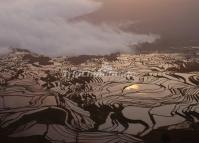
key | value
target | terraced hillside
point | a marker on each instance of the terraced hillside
(128, 99)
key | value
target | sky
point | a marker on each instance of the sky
(49, 27)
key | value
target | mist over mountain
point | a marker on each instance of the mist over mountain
(46, 27)
(176, 21)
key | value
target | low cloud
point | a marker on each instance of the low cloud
(45, 27)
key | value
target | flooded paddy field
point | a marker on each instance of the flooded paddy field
(144, 98)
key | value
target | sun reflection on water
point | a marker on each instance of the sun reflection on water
(132, 87)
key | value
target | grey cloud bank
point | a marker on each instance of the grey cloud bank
(45, 27)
